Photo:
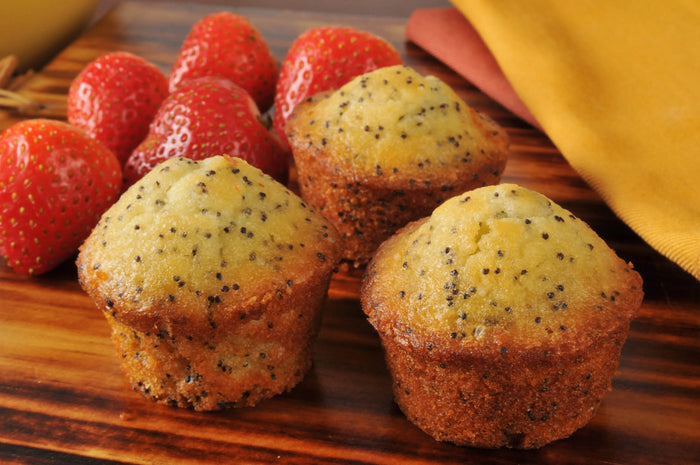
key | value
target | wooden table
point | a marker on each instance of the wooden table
(63, 398)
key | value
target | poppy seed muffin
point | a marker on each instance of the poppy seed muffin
(212, 277)
(386, 149)
(502, 317)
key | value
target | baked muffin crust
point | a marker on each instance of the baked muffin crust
(201, 234)
(504, 263)
(502, 315)
(386, 149)
(212, 276)
(396, 124)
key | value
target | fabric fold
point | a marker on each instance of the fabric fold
(465, 53)
(616, 87)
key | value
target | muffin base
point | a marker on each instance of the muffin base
(367, 212)
(521, 400)
(215, 369)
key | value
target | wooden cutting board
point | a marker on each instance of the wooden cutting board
(63, 399)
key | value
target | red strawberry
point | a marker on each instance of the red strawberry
(227, 45)
(205, 117)
(323, 59)
(114, 99)
(55, 183)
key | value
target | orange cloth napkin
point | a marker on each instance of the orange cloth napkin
(447, 35)
(616, 87)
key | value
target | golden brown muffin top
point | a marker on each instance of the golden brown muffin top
(196, 238)
(496, 265)
(394, 122)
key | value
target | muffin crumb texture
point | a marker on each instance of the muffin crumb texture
(212, 277)
(502, 315)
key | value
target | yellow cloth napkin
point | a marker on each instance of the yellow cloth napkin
(616, 86)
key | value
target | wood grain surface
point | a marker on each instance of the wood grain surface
(63, 399)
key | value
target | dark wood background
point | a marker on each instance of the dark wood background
(395, 8)
(63, 399)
